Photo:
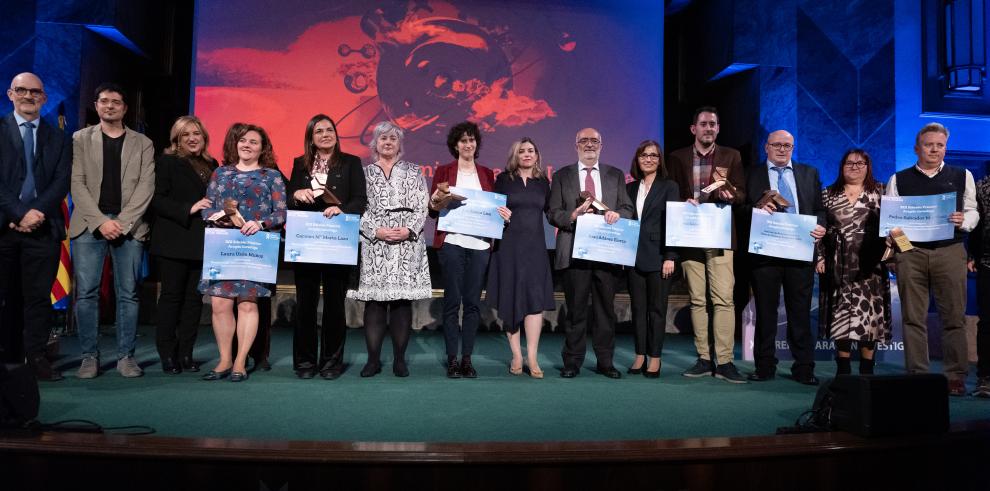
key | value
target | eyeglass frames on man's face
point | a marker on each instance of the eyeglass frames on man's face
(586, 141)
(23, 91)
(781, 146)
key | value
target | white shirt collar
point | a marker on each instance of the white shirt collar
(771, 165)
(582, 166)
(20, 120)
(923, 171)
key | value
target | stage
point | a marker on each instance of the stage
(482, 433)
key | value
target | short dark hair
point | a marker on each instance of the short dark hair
(110, 87)
(704, 109)
(458, 131)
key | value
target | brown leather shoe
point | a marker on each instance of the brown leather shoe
(43, 369)
(957, 387)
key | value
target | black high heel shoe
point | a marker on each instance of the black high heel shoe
(371, 369)
(400, 369)
(215, 375)
(649, 374)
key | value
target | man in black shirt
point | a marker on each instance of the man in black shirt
(113, 179)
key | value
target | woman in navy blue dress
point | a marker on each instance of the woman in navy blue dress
(250, 177)
(520, 284)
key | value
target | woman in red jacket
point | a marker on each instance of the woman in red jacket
(463, 258)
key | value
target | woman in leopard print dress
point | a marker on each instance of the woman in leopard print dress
(854, 304)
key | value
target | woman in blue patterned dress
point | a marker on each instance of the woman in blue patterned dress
(394, 269)
(249, 176)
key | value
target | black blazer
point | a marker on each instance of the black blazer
(175, 233)
(652, 252)
(809, 190)
(52, 170)
(346, 181)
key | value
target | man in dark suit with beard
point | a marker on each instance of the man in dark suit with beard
(35, 163)
(587, 278)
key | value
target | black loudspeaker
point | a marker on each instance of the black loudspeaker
(19, 397)
(887, 405)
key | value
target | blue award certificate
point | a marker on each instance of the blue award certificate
(708, 225)
(477, 215)
(595, 240)
(784, 235)
(311, 237)
(230, 255)
(922, 218)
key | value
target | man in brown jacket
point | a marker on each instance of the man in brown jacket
(709, 272)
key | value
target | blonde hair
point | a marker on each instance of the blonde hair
(176, 132)
(512, 164)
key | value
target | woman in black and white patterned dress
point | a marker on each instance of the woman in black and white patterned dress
(854, 285)
(394, 269)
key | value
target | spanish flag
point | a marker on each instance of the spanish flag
(63, 280)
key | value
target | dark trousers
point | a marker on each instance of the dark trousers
(798, 279)
(333, 330)
(463, 275)
(648, 292)
(585, 279)
(180, 305)
(983, 326)
(28, 265)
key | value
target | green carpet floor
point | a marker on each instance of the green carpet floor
(429, 407)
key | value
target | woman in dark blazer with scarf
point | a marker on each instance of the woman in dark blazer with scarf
(463, 258)
(650, 279)
(344, 179)
(181, 176)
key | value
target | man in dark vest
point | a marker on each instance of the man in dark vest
(936, 268)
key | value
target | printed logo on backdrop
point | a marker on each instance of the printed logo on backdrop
(892, 352)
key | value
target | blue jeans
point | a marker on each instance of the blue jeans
(88, 253)
(463, 276)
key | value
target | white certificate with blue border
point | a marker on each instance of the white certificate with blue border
(477, 215)
(230, 255)
(922, 218)
(311, 237)
(783, 235)
(707, 225)
(595, 240)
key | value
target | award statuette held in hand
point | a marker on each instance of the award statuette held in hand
(319, 186)
(720, 180)
(595, 203)
(229, 216)
(442, 197)
(897, 242)
(773, 197)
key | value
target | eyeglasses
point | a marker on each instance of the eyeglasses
(781, 146)
(650, 156)
(23, 91)
(855, 164)
(591, 141)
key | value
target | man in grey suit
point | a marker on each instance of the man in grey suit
(587, 278)
(113, 179)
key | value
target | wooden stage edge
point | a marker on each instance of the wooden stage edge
(689, 450)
